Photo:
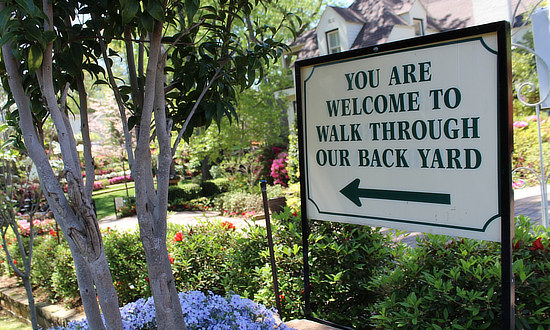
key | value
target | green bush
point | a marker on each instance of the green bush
(526, 148)
(129, 278)
(239, 202)
(203, 257)
(209, 188)
(186, 192)
(456, 283)
(532, 274)
(343, 260)
(64, 283)
(223, 184)
(44, 258)
(359, 276)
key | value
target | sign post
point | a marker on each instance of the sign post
(414, 135)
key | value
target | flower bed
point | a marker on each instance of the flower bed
(121, 179)
(201, 311)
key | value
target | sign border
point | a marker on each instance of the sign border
(504, 144)
(389, 52)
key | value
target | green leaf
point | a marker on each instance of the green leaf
(35, 58)
(156, 11)
(29, 7)
(147, 21)
(191, 8)
(5, 16)
(129, 12)
(48, 36)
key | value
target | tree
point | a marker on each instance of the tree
(14, 194)
(187, 62)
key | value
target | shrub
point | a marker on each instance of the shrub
(203, 257)
(186, 192)
(44, 258)
(239, 202)
(278, 169)
(129, 278)
(64, 283)
(344, 259)
(526, 147)
(223, 184)
(455, 283)
(209, 188)
(98, 185)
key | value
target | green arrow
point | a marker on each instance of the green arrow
(354, 193)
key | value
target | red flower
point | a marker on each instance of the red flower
(282, 297)
(53, 232)
(228, 225)
(294, 214)
(147, 279)
(178, 237)
(537, 245)
(14, 262)
(516, 246)
(171, 259)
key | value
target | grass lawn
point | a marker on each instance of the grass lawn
(104, 203)
(103, 198)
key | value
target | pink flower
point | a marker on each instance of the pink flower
(520, 124)
(532, 118)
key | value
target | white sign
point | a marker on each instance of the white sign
(407, 138)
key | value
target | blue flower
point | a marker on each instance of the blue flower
(201, 311)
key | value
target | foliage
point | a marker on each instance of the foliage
(359, 276)
(293, 160)
(201, 311)
(293, 198)
(455, 283)
(526, 148)
(130, 278)
(64, 284)
(209, 188)
(239, 202)
(185, 192)
(524, 71)
(223, 184)
(121, 179)
(343, 258)
(202, 257)
(532, 273)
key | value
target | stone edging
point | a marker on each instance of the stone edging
(14, 300)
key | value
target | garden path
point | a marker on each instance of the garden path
(185, 217)
(526, 202)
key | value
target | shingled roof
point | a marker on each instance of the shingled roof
(380, 16)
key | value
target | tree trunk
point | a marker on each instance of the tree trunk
(30, 299)
(151, 203)
(80, 229)
(87, 292)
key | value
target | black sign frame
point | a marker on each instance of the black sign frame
(505, 145)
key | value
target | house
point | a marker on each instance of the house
(370, 22)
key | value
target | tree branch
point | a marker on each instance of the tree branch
(120, 103)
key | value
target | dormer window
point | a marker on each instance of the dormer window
(418, 24)
(333, 42)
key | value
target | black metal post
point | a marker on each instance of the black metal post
(271, 250)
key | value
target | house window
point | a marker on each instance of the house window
(333, 41)
(418, 26)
